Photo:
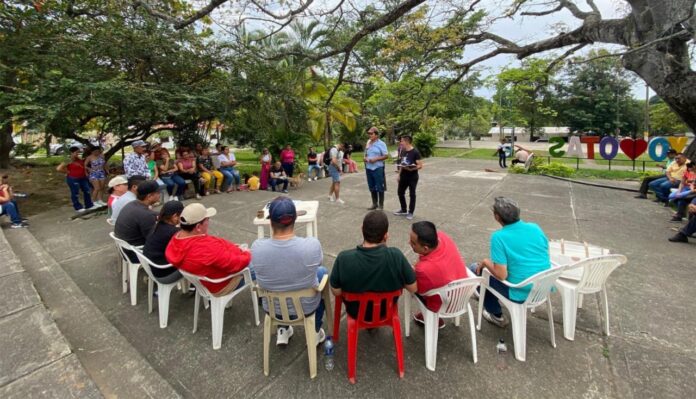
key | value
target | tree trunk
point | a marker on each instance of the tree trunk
(327, 130)
(6, 142)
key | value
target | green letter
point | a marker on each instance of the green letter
(555, 150)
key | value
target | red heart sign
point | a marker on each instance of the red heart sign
(633, 148)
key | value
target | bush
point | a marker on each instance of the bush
(24, 149)
(425, 143)
(516, 169)
(555, 169)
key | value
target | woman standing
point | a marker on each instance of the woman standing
(77, 180)
(96, 169)
(287, 159)
(265, 160)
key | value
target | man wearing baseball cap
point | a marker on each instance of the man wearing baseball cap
(135, 164)
(194, 251)
(117, 187)
(300, 266)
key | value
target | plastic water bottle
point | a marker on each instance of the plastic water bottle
(501, 349)
(328, 354)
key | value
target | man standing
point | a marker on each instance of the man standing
(673, 175)
(519, 250)
(135, 163)
(300, 267)
(649, 179)
(8, 205)
(130, 195)
(371, 266)
(439, 263)
(136, 220)
(375, 154)
(335, 159)
(194, 251)
(409, 164)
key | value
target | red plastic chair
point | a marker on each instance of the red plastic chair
(391, 318)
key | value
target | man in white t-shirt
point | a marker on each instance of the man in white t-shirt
(335, 171)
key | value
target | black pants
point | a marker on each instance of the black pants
(195, 179)
(501, 159)
(647, 180)
(690, 227)
(409, 180)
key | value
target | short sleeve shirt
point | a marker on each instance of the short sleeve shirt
(676, 171)
(524, 249)
(373, 150)
(225, 158)
(335, 153)
(409, 158)
(205, 161)
(439, 268)
(135, 165)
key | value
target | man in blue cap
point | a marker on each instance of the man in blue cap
(135, 164)
(286, 262)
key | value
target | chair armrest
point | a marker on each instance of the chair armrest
(322, 283)
(223, 279)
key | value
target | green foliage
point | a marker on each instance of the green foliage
(664, 121)
(24, 149)
(554, 169)
(425, 143)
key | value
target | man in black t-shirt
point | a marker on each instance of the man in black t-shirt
(372, 266)
(409, 164)
(312, 164)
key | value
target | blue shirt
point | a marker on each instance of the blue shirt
(524, 249)
(374, 150)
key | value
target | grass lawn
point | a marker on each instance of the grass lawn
(485, 153)
(609, 174)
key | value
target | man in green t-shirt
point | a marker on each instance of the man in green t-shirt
(372, 266)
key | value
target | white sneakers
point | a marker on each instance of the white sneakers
(284, 334)
(340, 201)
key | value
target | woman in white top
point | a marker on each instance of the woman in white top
(227, 163)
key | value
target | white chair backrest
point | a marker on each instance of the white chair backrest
(279, 300)
(542, 283)
(148, 265)
(122, 247)
(455, 295)
(196, 281)
(595, 271)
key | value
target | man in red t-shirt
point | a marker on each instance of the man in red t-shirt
(194, 251)
(439, 264)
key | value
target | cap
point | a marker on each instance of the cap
(138, 143)
(172, 208)
(147, 187)
(373, 129)
(117, 180)
(195, 213)
(282, 210)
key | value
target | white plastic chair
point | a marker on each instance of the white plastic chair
(564, 253)
(455, 302)
(128, 268)
(593, 277)
(164, 291)
(218, 304)
(541, 283)
(272, 319)
(110, 222)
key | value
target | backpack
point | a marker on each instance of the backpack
(327, 157)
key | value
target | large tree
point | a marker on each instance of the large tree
(654, 35)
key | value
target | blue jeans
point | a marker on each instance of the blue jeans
(275, 182)
(11, 209)
(230, 174)
(289, 168)
(75, 186)
(661, 187)
(169, 182)
(490, 302)
(375, 179)
(180, 185)
(310, 168)
(319, 312)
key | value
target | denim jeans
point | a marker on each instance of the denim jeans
(375, 179)
(310, 168)
(180, 185)
(661, 187)
(231, 174)
(490, 302)
(11, 209)
(319, 312)
(75, 186)
(275, 182)
(169, 182)
(289, 168)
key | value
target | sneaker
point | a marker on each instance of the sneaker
(25, 221)
(641, 196)
(679, 237)
(93, 207)
(309, 179)
(675, 218)
(18, 225)
(340, 201)
(498, 321)
(321, 336)
(418, 318)
(331, 198)
(285, 191)
(198, 196)
(81, 210)
(315, 178)
(400, 213)
(283, 335)
(409, 216)
(372, 208)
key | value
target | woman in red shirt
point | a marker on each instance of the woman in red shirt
(77, 180)
(287, 159)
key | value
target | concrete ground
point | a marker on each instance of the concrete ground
(650, 352)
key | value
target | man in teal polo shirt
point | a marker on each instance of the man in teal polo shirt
(518, 251)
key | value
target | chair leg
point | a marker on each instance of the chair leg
(124, 274)
(352, 348)
(458, 319)
(337, 318)
(407, 313)
(255, 306)
(398, 343)
(605, 307)
(196, 305)
(550, 315)
(311, 337)
(482, 295)
(569, 299)
(164, 293)
(472, 330)
(518, 319)
(580, 301)
(431, 334)
(217, 315)
(328, 312)
(133, 281)
(266, 344)
(150, 284)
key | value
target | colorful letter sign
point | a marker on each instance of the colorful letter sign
(609, 147)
